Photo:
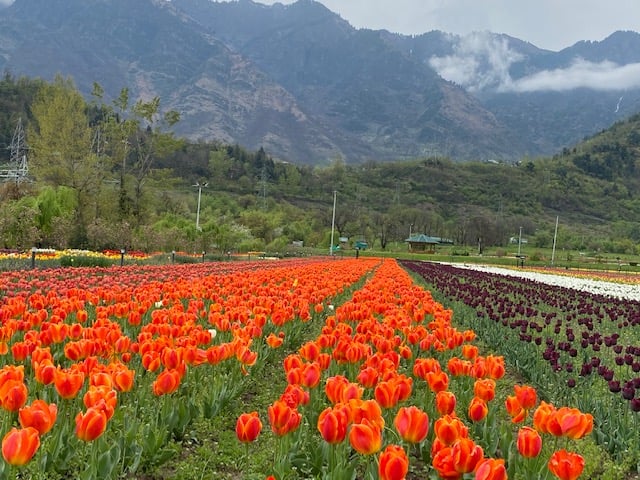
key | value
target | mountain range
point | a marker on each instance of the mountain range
(302, 83)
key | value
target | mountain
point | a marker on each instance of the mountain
(302, 83)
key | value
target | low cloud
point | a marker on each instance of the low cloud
(481, 61)
(581, 74)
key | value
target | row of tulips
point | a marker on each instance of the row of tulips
(391, 389)
(101, 369)
(579, 347)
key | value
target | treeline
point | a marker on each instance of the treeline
(111, 174)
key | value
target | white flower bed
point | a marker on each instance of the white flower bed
(617, 290)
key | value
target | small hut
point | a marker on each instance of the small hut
(422, 243)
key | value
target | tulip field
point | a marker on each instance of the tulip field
(313, 368)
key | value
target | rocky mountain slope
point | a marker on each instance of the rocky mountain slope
(303, 84)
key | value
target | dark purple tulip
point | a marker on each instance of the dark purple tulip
(614, 386)
(628, 393)
(571, 383)
(619, 361)
(635, 404)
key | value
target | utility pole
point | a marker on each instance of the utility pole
(200, 187)
(333, 222)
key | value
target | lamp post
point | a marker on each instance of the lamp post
(333, 222)
(410, 227)
(200, 187)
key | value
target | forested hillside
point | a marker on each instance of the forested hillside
(114, 175)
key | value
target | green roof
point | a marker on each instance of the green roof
(422, 238)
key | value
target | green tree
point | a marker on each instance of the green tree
(60, 140)
(150, 141)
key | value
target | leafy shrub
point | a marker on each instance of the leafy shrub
(85, 261)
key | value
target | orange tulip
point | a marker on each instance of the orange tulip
(68, 382)
(274, 341)
(571, 423)
(448, 429)
(542, 415)
(295, 395)
(334, 387)
(386, 394)
(91, 424)
(445, 402)
(485, 389)
(437, 381)
(101, 397)
(495, 366)
(466, 455)
(529, 442)
(365, 437)
(412, 424)
(365, 409)
(368, 377)
(491, 469)
(123, 378)
(168, 381)
(39, 415)
(422, 366)
(526, 395)
(442, 462)
(566, 465)
(283, 418)
(311, 375)
(13, 395)
(478, 409)
(20, 445)
(332, 424)
(248, 427)
(393, 463)
(518, 414)
(44, 371)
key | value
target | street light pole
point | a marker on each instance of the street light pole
(519, 241)
(410, 227)
(200, 187)
(333, 222)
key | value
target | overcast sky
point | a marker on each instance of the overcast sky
(549, 24)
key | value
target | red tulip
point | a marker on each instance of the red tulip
(448, 429)
(39, 415)
(438, 381)
(365, 437)
(332, 424)
(466, 455)
(167, 382)
(526, 395)
(13, 395)
(68, 382)
(20, 445)
(91, 424)
(566, 465)
(248, 427)
(283, 418)
(478, 409)
(529, 442)
(518, 414)
(491, 469)
(445, 402)
(412, 424)
(393, 463)
(485, 389)
(386, 393)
